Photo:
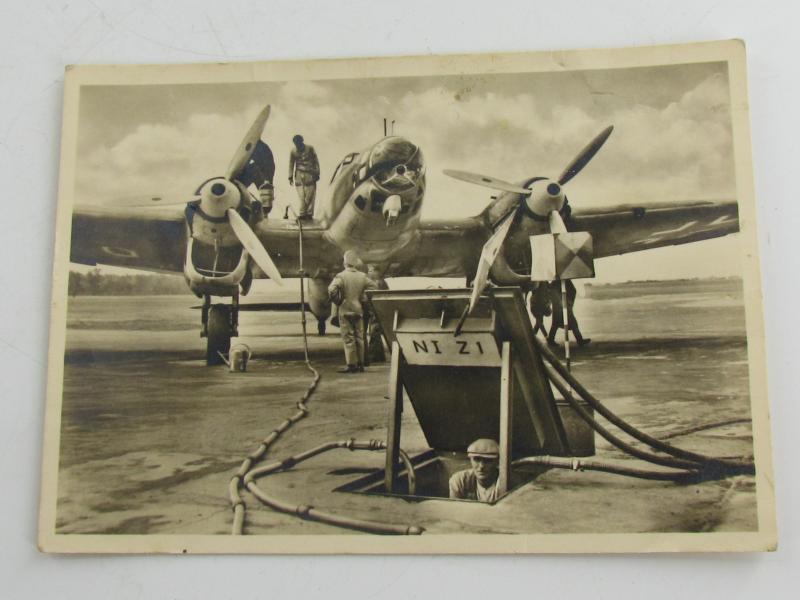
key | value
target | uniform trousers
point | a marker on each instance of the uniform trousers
(306, 186)
(351, 326)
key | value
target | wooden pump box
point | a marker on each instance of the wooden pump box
(487, 382)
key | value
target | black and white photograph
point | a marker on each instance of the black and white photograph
(458, 304)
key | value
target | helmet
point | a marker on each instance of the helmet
(297, 139)
(484, 447)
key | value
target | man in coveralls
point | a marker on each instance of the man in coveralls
(303, 175)
(260, 172)
(349, 286)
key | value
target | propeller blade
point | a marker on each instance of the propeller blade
(486, 181)
(248, 145)
(585, 155)
(556, 222)
(253, 245)
(490, 250)
(488, 255)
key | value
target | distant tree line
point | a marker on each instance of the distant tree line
(95, 283)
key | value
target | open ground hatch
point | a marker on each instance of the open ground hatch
(487, 382)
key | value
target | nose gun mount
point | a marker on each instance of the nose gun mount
(391, 209)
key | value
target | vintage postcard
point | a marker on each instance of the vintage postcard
(442, 304)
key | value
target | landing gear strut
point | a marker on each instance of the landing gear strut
(220, 322)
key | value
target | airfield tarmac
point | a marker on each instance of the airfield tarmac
(151, 437)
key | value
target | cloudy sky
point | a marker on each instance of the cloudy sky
(672, 137)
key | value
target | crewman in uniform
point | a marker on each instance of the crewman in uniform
(558, 312)
(480, 482)
(303, 175)
(260, 171)
(335, 307)
(349, 286)
(266, 191)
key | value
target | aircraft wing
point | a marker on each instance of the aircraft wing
(447, 248)
(147, 239)
(155, 240)
(629, 228)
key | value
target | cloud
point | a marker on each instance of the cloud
(678, 152)
(301, 91)
(167, 160)
(675, 150)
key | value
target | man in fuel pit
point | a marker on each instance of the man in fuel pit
(303, 175)
(347, 291)
(479, 482)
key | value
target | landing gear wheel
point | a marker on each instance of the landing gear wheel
(219, 334)
(321, 326)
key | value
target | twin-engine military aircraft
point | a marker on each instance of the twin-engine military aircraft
(220, 240)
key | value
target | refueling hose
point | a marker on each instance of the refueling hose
(309, 512)
(246, 474)
(580, 464)
(695, 465)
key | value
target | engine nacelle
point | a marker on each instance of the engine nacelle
(206, 276)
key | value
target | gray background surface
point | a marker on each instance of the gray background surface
(39, 38)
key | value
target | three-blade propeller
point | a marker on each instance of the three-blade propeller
(222, 196)
(548, 197)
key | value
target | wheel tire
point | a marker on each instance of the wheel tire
(321, 326)
(219, 334)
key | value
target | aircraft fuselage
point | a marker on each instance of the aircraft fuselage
(376, 200)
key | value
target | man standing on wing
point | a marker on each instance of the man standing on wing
(303, 175)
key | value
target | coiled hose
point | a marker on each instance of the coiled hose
(247, 474)
(312, 514)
